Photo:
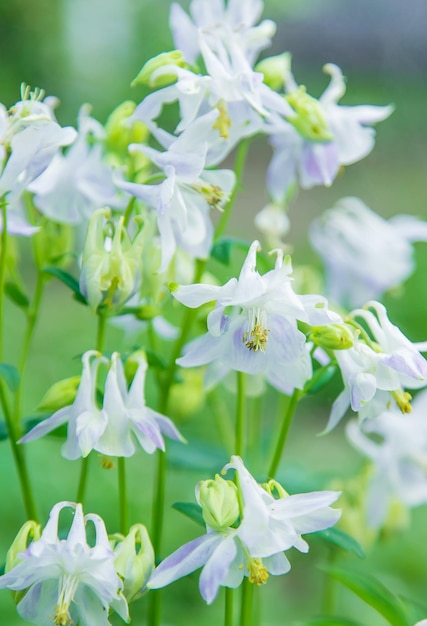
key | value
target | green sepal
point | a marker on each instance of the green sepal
(191, 510)
(343, 540)
(373, 593)
(68, 280)
(10, 375)
(16, 295)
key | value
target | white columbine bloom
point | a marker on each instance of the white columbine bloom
(123, 420)
(182, 201)
(320, 136)
(67, 581)
(253, 548)
(377, 368)
(364, 254)
(399, 460)
(221, 21)
(253, 328)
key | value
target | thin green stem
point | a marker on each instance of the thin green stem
(3, 257)
(330, 587)
(123, 503)
(228, 606)
(100, 332)
(222, 418)
(19, 459)
(281, 440)
(247, 601)
(239, 166)
(240, 414)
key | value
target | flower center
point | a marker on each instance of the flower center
(223, 121)
(403, 400)
(256, 338)
(213, 194)
(68, 587)
(257, 572)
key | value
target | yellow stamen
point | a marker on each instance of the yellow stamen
(106, 462)
(258, 338)
(403, 400)
(62, 616)
(257, 572)
(223, 121)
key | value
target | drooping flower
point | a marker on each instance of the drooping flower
(364, 254)
(253, 328)
(377, 368)
(320, 136)
(123, 420)
(67, 581)
(182, 201)
(252, 547)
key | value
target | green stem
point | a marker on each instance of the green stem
(219, 410)
(240, 414)
(239, 166)
(281, 441)
(228, 606)
(19, 459)
(100, 332)
(123, 503)
(329, 587)
(247, 601)
(3, 256)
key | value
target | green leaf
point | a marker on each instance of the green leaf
(199, 456)
(17, 296)
(68, 280)
(3, 431)
(191, 510)
(374, 593)
(10, 375)
(321, 378)
(154, 360)
(343, 540)
(331, 621)
(222, 250)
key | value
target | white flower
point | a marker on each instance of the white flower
(312, 143)
(364, 254)
(182, 201)
(399, 461)
(253, 328)
(67, 581)
(123, 420)
(221, 22)
(255, 547)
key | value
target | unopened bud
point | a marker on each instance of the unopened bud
(150, 74)
(219, 501)
(309, 118)
(188, 396)
(121, 131)
(111, 265)
(275, 69)
(134, 560)
(60, 394)
(29, 532)
(332, 336)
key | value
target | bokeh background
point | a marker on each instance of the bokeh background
(89, 51)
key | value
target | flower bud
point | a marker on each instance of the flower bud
(219, 501)
(275, 69)
(60, 394)
(111, 265)
(309, 118)
(147, 74)
(332, 336)
(121, 131)
(134, 560)
(30, 531)
(188, 396)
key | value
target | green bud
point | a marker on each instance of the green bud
(145, 76)
(134, 560)
(219, 501)
(60, 394)
(309, 118)
(332, 336)
(146, 312)
(112, 264)
(187, 397)
(53, 243)
(275, 69)
(132, 363)
(30, 531)
(120, 133)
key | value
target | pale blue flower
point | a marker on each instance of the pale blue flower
(67, 581)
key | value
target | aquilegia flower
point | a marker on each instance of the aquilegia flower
(253, 328)
(67, 581)
(249, 542)
(364, 254)
(123, 420)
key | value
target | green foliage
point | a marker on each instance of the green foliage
(343, 540)
(16, 295)
(10, 375)
(68, 280)
(191, 510)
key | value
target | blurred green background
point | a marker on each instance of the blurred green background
(89, 51)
